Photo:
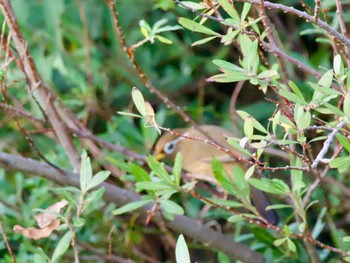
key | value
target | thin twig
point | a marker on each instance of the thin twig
(6, 240)
(327, 144)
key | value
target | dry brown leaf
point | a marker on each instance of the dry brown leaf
(45, 219)
(35, 233)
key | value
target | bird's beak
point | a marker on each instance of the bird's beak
(159, 156)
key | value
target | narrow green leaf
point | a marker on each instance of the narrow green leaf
(334, 109)
(158, 169)
(344, 141)
(99, 178)
(202, 41)
(235, 219)
(279, 242)
(222, 177)
(181, 252)
(164, 39)
(139, 173)
(292, 97)
(228, 7)
(62, 247)
(274, 186)
(85, 171)
(245, 11)
(291, 246)
(278, 206)
(248, 128)
(172, 207)
(231, 141)
(326, 79)
(130, 207)
(196, 27)
(338, 65)
(346, 105)
(224, 65)
(177, 168)
(228, 77)
(324, 90)
(139, 101)
(249, 172)
(296, 90)
(152, 186)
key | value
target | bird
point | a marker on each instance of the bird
(197, 156)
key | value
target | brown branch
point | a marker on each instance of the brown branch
(119, 196)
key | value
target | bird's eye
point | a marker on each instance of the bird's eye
(169, 147)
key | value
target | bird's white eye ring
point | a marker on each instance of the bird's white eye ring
(169, 147)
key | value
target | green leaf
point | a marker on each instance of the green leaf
(346, 105)
(164, 39)
(344, 142)
(193, 5)
(139, 101)
(326, 79)
(278, 206)
(202, 41)
(159, 169)
(324, 90)
(248, 128)
(94, 196)
(338, 65)
(152, 186)
(296, 90)
(231, 141)
(62, 247)
(172, 207)
(292, 97)
(249, 172)
(341, 163)
(275, 186)
(230, 10)
(177, 168)
(302, 118)
(291, 246)
(78, 221)
(222, 177)
(346, 239)
(333, 109)
(139, 173)
(228, 77)
(130, 207)
(99, 178)
(196, 27)
(279, 242)
(181, 252)
(235, 219)
(85, 171)
(224, 65)
(245, 11)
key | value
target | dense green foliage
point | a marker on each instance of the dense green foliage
(293, 81)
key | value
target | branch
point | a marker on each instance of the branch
(326, 144)
(119, 196)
